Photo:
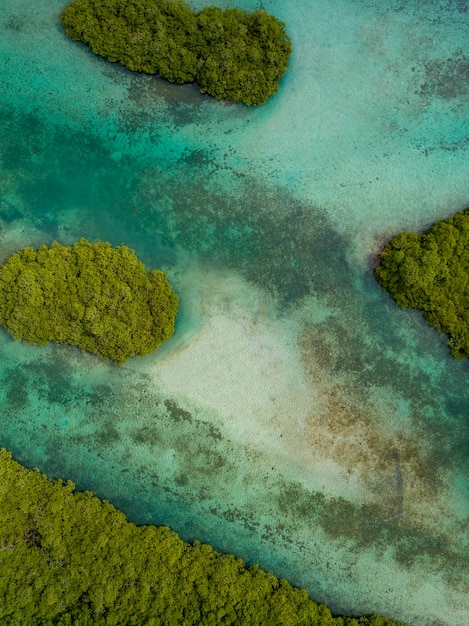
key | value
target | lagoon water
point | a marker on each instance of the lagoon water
(297, 418)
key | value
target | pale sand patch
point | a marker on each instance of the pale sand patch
(18, 235)
(235, 357)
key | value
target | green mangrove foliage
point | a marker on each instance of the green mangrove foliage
(430, 272)
(68, 558)
(231, 54)
(89, 295)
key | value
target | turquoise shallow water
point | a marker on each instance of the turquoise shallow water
(296, 418)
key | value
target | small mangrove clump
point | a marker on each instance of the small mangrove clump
(89, 295)
(232, 55)
(430, 272)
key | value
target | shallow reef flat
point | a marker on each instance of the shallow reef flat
(297, 417)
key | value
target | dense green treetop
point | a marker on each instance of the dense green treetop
(231, 54)
(430, 272)
(89, 295)
(68, 558)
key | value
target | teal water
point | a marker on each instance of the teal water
(297, 418)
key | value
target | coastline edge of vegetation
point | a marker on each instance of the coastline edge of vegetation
(68, 557)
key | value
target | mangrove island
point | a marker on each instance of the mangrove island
(230, 54)
(89, 295)
(430, 272)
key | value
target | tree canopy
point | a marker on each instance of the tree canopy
(430, 272)
(67, 557)
(231, 54)
(89, 295)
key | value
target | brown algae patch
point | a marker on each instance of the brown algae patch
(405, 474)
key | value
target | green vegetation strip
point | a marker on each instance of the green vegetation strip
(67, 557)
(230, 54)
(430, 272)
(89, 295)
